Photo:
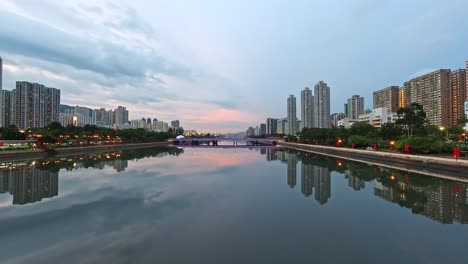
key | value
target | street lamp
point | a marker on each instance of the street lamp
(442, 130)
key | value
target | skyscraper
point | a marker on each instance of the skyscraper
(5, 106)
(34, 105)
(355, 107)
(387, 97)
(457, 95)
(2, 106)
(321, 105)
(121, 115)
(432, 91)
(292, 118)
(272, 125)
(175, 124)
(307, 108)
(262, 130)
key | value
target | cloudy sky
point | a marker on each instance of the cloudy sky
(224, 65)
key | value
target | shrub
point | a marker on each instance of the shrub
(422, 145)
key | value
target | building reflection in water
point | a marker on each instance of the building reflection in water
(28, 184)
(322, 184)
(354, 182)
(441, 200)
(307, 179)
(33, 181)
(444, 202)
(292, 169)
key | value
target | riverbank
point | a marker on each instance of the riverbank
(40, 154)
(428, 165)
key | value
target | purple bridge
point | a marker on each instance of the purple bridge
(214, 141)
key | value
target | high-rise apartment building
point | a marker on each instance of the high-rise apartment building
(307, 108)
(262, 130)
(337, 117)
(281, 126)
(121, 115)
(2, 106)
(387, 97)
(34, 105)
(271, 126)
(78, 116)
(404, 97)
(457, 95)
(175, 124)
(292, 118)
(5, 110)
(321, 105)
(432, 91)
(355, 107)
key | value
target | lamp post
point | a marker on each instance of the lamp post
(465, 134)
(442, 130)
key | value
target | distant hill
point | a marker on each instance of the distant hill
(65, 107)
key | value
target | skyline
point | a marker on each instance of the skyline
(224, 66)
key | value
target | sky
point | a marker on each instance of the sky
(222, 66)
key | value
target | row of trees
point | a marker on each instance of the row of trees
(410, 129)
(55, 132)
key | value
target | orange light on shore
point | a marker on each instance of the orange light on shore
(392, 142)
(392, 178)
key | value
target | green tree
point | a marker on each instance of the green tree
(361, 129)
(412, 118)
(390, 131)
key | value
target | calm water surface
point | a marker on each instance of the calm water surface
(226, 206)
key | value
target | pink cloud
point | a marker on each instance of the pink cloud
(228, 115)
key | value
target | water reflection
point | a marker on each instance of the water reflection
(441, 200)
(28, 184)
(33, 181)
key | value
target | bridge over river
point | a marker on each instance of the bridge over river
(235, 141)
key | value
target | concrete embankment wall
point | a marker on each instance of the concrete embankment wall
(345, 151)
(39, 154)
(434, 166)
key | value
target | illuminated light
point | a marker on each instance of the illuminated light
(392, 178)
(339, 164)
(392, 142)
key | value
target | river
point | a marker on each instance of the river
(217, 205)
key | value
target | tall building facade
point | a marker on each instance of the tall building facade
(387, 97)
(432, 91)
(2, 105)
(321, 105)
(34, 105)
(78, 116)
(281, 126)
(262, 129)
(121, 115)
(457, 95)
(175, 124)
(307, 108)
(271, 126)
(292, 118)
(5, 106)
(355, 107)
